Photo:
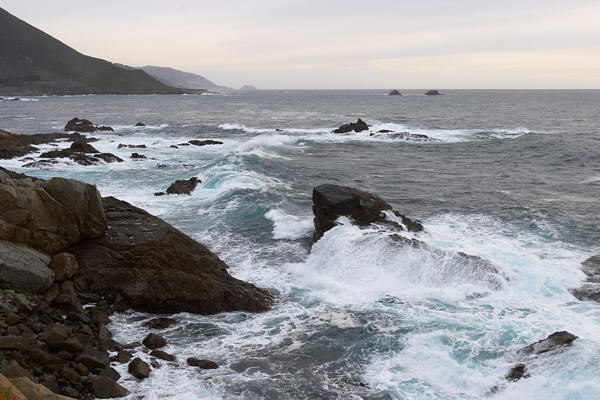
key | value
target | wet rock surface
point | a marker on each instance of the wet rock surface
(84, 125)
(357, 126)
(333, 201)
(183, 186)
(590, 290)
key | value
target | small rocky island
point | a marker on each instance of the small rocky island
(394, 92)
(432, 93)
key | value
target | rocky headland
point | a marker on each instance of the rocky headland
(63, 246)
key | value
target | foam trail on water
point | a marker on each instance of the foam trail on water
(290, 227)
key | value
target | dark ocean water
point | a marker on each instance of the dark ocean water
(512, 176)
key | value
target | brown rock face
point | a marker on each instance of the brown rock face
(156, 268)
(183, 186)
(49, 215)
(332, 201)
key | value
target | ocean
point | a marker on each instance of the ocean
(512, 176)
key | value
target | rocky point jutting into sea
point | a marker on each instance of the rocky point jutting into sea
(246, 246)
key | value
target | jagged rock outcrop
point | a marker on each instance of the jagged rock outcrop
(183, 186)
(204, 142)
(357, 126)
(12, 145)
(590, 290)
(148, 265)
(84, 125)
(333, 201)
(79, 152)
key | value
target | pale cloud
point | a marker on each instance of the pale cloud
(339, 44)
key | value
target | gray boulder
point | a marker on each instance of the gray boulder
(24, 268)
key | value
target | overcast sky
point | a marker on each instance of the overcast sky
(339, 44)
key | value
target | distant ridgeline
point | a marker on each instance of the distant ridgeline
(34, 63)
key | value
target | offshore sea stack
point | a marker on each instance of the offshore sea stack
(333, 201)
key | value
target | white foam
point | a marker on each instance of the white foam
(289, 227)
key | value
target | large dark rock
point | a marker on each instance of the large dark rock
(202, 364)
(555, 341)
(83, 147)
(150, 266)
(137, 155)
(357, 126)
(154, 341)
(394, 92)
(204, 142)
(163, 355)
(93, 358)
(590, 290)
(84, 125)
(139, 368)
(333, 201)
(12, 145)
(432, 93)
(183, 186)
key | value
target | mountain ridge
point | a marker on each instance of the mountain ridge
(33, 62)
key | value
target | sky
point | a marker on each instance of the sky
(335, 44)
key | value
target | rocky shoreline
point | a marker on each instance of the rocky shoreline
(69, 259)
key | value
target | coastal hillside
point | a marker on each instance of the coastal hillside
(34, 63)
(182, 79)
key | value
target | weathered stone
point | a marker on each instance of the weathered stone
(160, 323)
(111, 373)
(64, 266)
(124, 356)
(159, 269)
(106, 388)
(203, 364)
(43, 357)
(49, 215)
(154, 341)
(9, 342)
(183, 186)
(59, 338)
(163, 355)
(204, 142)
(24, 268)
(93, 358)
(34, 391)
(554, 341)
(139, 368)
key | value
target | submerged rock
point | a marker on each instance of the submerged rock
(357, 126)
(204, 142)
(202, 364)
(183, 186)
(333, 201)
(517, 372)
(84, 125)
(160, 323)
(432, 93)
(394, 93)
(137, 155)
(404, 136)
(140, 124)
(159, 269)
(132, 146)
